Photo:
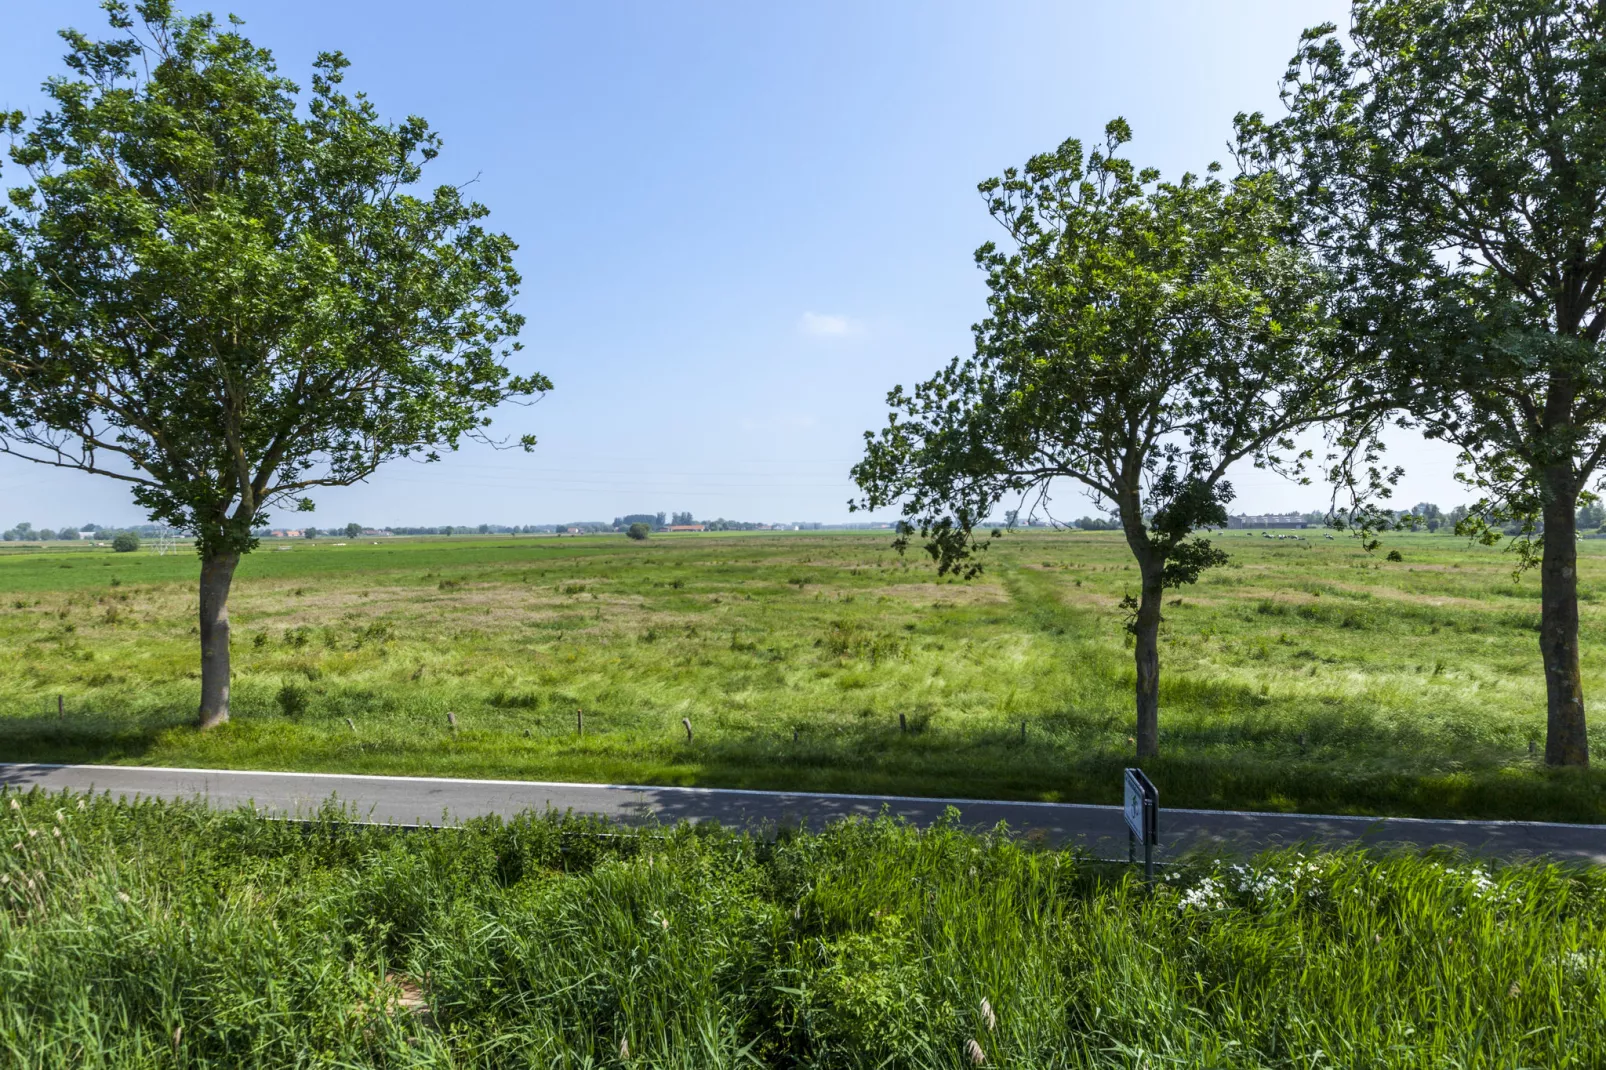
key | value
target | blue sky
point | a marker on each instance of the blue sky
(740, 224)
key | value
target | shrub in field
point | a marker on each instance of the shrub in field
(126, 542)
(292, 701)
(142, 934)
(639, 531)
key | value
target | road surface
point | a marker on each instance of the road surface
(440, 800)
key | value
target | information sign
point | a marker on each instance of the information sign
(1142, 811)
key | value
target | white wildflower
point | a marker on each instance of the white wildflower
(1206, 895)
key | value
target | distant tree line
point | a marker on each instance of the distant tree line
(26, 532)
(658, 521)
(721, 524)
(474, 529)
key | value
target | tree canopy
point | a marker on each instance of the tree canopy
(1142, 337)
(226, 299)
(1451, 162)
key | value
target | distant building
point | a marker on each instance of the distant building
(685, 527)
(1268, 520)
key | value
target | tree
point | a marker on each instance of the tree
(682, 518)
(638, 531)
(1141, 338)
(126, 542)
(225, 301)
(309, 533)
(658, 520)
(1425, 515)
(353, 530)
(1452, 159)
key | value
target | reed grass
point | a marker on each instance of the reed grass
(167, 935)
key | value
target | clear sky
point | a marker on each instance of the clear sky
(740, 224)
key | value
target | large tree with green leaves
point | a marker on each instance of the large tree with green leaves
(1451, 156)
(1142, 338)
(225, 299)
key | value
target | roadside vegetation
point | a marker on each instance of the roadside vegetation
(164, 934)
(1304, 674)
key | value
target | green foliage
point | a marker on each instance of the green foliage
(1142, 336)
(1452, 160)
(353, 530)
(638, 531)
(148, 934)
(225, 296)
(126, 542)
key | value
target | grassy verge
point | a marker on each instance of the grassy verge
(1304, 676)
(167, 935)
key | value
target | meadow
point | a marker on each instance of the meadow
(166, 935)
(1306, 675)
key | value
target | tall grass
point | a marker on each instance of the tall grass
(163, 935)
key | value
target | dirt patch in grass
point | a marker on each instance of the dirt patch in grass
(972, 594)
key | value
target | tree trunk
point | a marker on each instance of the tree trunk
(1566, 742)
(1146, 652)
(217, 574)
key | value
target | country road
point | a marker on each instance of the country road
(438, 800)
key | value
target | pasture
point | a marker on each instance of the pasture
(1306, 675)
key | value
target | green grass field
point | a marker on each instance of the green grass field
(167, 936)
(1306, 675)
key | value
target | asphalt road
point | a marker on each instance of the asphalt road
(439, 800)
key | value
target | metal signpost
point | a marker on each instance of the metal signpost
(1142, 819)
